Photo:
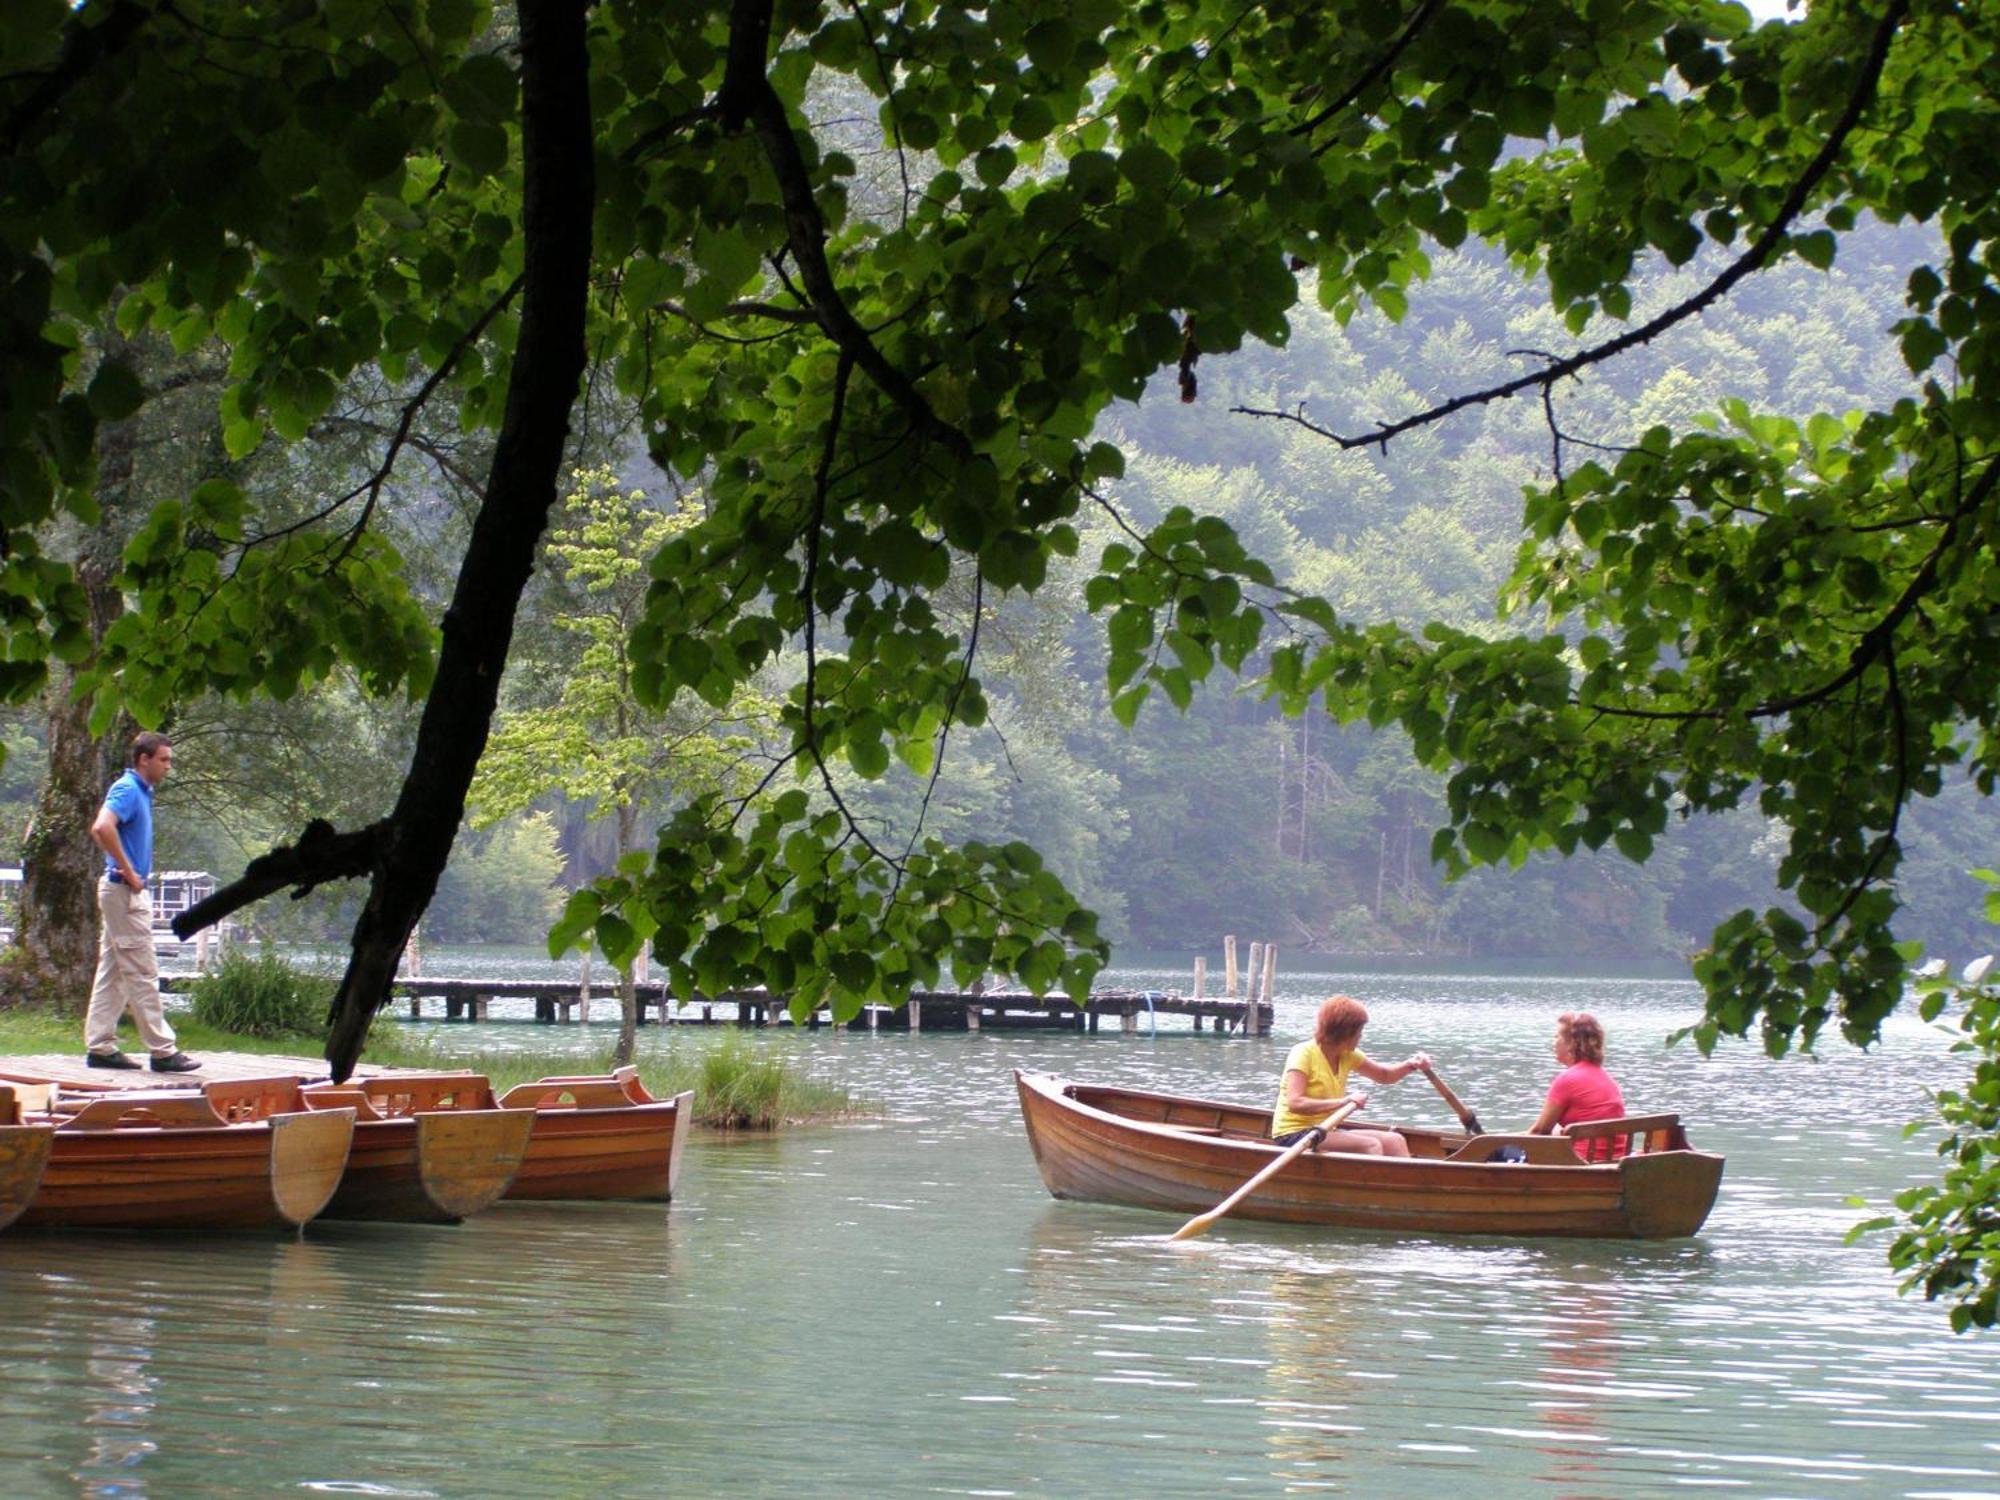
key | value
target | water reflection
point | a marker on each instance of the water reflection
(1309, 1327)
(118, 1398)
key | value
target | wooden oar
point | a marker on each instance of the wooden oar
(1465, 1116)
(1200, 1222)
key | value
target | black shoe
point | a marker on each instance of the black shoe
(175, 1062)
(110, 1060)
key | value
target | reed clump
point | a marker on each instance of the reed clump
(259, 994)
(736, 1085)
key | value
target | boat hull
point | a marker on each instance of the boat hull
(1156, 1151)
(274, 1174)
(24, 1156)
(435, 1168)
(628, 1153)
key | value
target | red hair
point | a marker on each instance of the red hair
(1340, 1020)
(1584, 1036)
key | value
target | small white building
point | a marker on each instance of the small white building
(174, 891)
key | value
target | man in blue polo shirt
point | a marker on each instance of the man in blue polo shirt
(127, 976)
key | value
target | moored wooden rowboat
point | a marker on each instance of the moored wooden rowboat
(594, 1137)
(24, 1155)
(435, 1168)
(161, 1160)
(1145, 1150)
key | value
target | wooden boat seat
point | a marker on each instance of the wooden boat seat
(143, 1108)
(240, 1099)
(340, 1096)
(398, 1094)
(33, 1099)
(567, 1093)
(1641, 1133)
(1542, 1150)
(626, 1079)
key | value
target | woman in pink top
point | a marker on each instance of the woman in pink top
(1583, 1091)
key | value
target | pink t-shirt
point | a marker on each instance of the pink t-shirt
(1583, 1092)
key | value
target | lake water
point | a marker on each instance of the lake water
(898, 1307)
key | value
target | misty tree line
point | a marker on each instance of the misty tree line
(1227, 816)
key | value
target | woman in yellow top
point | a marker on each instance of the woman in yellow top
(1315, 1082)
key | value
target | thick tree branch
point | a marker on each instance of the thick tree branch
(320, 855)
(558, 200)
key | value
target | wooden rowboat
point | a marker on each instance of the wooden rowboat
(1183, 1156)
(435, 1168)
(24, 1155)
(162, 1160)
(594, 1137)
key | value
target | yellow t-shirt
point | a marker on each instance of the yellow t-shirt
(1322, 1082)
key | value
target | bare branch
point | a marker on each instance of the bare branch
(1751, 260)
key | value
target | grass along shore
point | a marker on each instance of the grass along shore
(736, 1085)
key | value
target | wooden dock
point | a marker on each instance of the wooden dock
(558, 1001)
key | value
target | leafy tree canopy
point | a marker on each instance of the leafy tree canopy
(889, 398)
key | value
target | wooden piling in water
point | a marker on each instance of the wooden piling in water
(1257, 1026)
(1201, 976)
(1229, 965)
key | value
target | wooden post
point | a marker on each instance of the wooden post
(416, 1008)
(916, 1015)
(1257, 1026)
(874, 1016)
(1251, 976)
(1128, 1020)
(1229, 965)
(1200, 976)
(972, 1015)
(583, 987)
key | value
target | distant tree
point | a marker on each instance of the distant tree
(595, 742)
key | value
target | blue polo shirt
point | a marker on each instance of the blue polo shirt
(131, 802)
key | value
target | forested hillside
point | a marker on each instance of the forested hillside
(1228, 816)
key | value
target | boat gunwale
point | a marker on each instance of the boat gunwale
(1267, 1148)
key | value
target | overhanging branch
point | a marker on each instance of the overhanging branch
(320, 855)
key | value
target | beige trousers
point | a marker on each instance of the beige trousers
(128, 978)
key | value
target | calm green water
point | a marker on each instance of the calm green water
(900, 1309)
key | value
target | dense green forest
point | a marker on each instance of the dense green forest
(1229, 816)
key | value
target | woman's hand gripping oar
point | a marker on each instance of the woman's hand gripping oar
(1465, 1116)
(1200, 1222)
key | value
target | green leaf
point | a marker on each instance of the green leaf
(115, 391)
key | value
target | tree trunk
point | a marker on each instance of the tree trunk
(558, 203)
(56, 935)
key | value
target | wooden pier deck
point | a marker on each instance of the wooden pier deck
(556, 1001)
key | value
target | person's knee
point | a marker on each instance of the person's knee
(1394, 1145)
(1370, 1145)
